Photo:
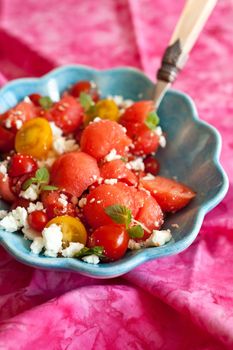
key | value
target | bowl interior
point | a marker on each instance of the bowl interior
(191, 156)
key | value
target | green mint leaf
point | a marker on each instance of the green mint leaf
(42, 175)
(27, 183)
(152, 120)
(45, 102)
(136, 231)
(48, 188)
(97, 250)
(119, 214)
(86, 101)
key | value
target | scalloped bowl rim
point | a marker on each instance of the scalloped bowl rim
(128, 263)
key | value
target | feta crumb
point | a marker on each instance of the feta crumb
(8, 124)
(112, 156)
(136, 164)
(34, 206)
(156, 239)
(100, 180)
(52, 236)
(56, 131)
(74, 248)
(96, 120)
(82, 202)
(158, 131)
(117, 99)
(110, 181)
(62, 145)
(14, 220)
(3, 213)
(92, 200)
(18, 124)
(29, 233)
(3, 167)
(91, 259)
(37, 245)
(133, 245)
(63, 200)
(31, 193)
(148, 176)
(162, 141)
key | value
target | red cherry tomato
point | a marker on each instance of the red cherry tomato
(5, 189)
(17, 182)
(21, 164)
(37, 220)
(170, 194)
(35, 99)
(67, 114)
(151, 165)
(113, 238)
(7, 140)
(87, 87)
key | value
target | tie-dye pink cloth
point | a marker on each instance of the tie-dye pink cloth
(181, 302)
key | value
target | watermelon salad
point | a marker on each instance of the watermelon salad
(81, 175)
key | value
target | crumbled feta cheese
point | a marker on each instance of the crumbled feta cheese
(112, 156)
(162, 141)
(52, 236)
(100, 180)
(92, 200)
(56, 131)
(62, 145)
(29, 233)
(63, 200)
(156, 239)
(18, 124)
(158, 131)
(37, 245)
(8, 124)
(136, 164)
(96, 120)
(133, 245)
(31, 193)
(82, 202)
(110, 181)
(3, 167)
(34, 206)
(148, 176)
(14, 220)
(91, 259)
(74, 248)
(117, 99)
(3, 213)
(48, 162)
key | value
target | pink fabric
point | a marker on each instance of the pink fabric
(181, 302)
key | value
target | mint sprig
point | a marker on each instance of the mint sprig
(122, 215)
(42, 178)
(119, 214)
(45, 102)
(152, 120)
(136, 231)
(86, 101)
(97, 250)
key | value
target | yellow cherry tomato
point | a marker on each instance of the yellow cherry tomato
(72, 229)
(34, 138)
(107, 109)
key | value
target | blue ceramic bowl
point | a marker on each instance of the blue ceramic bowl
(191, 155)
